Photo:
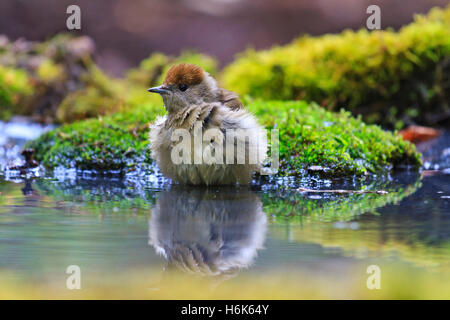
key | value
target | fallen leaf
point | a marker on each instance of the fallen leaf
(417, 134)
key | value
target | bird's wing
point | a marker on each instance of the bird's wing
(190, 115)
(230, 99)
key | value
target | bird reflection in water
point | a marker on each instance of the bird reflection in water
(28, 190)
(208, 232)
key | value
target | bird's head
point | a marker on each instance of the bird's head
(185, 85)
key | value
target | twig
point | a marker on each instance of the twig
(343, 191)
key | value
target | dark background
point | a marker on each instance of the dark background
(128, 31)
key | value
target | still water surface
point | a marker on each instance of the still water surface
(146, 238)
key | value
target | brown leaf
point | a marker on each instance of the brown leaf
(417, 134)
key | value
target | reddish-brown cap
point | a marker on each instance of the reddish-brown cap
(189, 74)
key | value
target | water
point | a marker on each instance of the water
(13, 136)
(146, 238)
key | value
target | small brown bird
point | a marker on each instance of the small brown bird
(221, 143)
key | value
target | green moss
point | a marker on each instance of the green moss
(151, 71)
(98, 96)
(67, 86)
(388, 76)
(309, 135)
(14, 86)
(117, 142)
(101, 95)
(62, 77)
(50, 72)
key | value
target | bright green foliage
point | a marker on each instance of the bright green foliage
(99, 95)
(67, 86)
(309, 135)
(385, 75)
(151, 71)
(50, 72)
(14, 84)
(56, 69)
(117, 142)
(102, 95)
(65, 83)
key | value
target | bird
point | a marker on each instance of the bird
(221, 142)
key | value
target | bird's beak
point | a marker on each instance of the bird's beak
(161, 90)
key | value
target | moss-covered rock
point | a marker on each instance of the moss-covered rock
(309, 136)
(99, 95)
(58, 81)
(339, 143)
(390, 77)
(117, 142)
(14, 88)
(55, 69)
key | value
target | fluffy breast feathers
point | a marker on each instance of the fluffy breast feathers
(210, 116)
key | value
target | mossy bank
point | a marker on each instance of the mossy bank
(310, 137)
(391, 78)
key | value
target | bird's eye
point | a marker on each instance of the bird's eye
(182, 87)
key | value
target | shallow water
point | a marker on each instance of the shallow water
(146, 238)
